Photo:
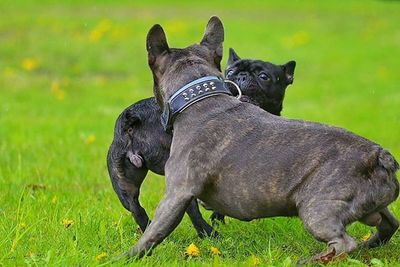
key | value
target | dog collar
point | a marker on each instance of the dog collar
(189, 94)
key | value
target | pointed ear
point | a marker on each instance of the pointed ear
(156, 43)
(233, 57)
(214, 37)
(288, 68)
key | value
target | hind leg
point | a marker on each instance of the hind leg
(217, 217)
(202, 227)
(386, 226)
(326, 222)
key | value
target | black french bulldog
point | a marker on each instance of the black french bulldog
(141, 144)
(253, 75)
(327, 176)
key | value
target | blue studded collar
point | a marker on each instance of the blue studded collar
(189, 94)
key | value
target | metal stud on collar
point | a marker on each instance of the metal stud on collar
(237, 88)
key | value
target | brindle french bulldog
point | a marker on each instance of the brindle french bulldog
(141, 144)
(249, 164)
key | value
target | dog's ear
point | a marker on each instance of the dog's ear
(233, 57)
(156, 43)
(288, 68)
(131, 118)
(213, 38)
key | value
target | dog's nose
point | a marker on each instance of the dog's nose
(242, 77)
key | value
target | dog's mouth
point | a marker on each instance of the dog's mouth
(135, 159)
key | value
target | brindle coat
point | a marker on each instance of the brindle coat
(248, 164)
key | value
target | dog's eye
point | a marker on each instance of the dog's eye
(264, 76)
(130, 130)
(229, 73)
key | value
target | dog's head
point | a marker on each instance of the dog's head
(174, 67)
(263, 82)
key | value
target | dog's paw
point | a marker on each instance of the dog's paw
(328, 256)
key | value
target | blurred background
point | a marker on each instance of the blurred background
(68, 68)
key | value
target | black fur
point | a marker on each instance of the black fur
(262, 82)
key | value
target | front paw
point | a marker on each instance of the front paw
(131, 254)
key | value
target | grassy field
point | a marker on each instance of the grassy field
(68, 69)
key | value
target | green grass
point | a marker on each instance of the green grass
(87, 62)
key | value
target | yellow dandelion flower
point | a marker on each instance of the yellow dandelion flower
(215, 251)
(57, 91)
(95, 35)
(101, 256)
(98, 32)
(30, 64)
(296, 40)
(55, 86)
(254, 260)
(192, 250)
(67, 223)
(60, 95)
(90, 139)
(366, 237)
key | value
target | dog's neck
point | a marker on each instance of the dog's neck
(174, 80)
(190, 94)
(202, 113)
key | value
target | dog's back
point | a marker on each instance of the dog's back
(248, 156)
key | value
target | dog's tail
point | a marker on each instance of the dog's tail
(387, 161)
(383, 186)
(385, 172)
